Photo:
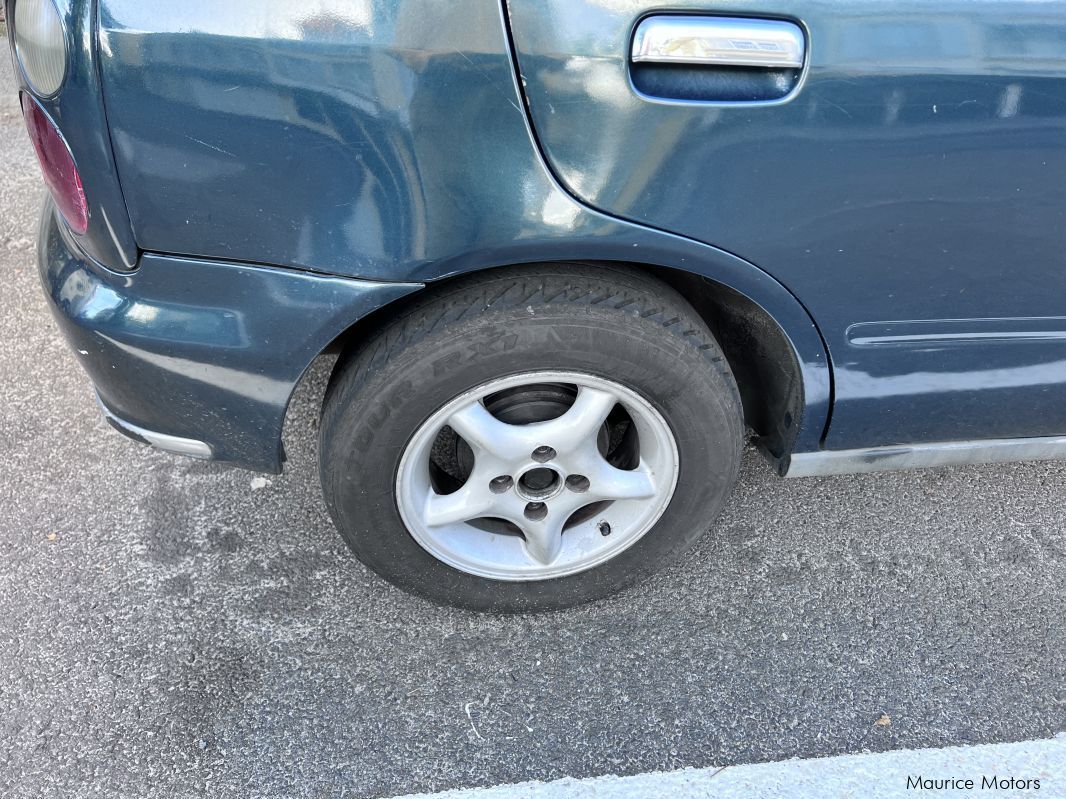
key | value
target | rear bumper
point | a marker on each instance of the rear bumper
(199, 357)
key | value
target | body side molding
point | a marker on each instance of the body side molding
(947, 332)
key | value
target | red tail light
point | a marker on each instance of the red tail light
(57, 164)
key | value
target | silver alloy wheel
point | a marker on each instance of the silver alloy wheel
(536, 476)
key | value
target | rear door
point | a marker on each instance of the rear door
(906, 180)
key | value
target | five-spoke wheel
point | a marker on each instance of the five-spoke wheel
(530, 438)
(543, 498)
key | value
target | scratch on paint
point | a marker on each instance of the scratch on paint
(211, 147)
(492, 81)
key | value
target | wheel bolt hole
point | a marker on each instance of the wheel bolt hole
(535, 511)
(501, 484)
(543, 454)
(578, 483)
(604, 528)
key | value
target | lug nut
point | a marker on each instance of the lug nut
(501, 484)
(543, 454)
(535, 511)
(578, 483)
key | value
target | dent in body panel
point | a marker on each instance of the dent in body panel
(314, 137)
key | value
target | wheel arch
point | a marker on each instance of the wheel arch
(773, 346)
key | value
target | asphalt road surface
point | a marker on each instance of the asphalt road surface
(167, 629)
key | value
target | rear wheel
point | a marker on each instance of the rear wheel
(531, 438)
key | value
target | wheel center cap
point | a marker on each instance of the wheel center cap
(538, 484)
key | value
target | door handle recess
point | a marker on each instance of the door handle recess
(692, 57)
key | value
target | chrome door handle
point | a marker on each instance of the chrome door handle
(719, 41)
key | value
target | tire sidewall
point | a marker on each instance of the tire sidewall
(363, 442)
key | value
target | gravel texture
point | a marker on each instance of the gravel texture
(170, 628)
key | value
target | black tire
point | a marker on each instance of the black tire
(609, 321)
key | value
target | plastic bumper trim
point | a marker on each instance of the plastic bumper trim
(176, 444)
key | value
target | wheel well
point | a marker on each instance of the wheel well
(759, 353)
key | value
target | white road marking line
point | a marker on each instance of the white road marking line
(867, 776)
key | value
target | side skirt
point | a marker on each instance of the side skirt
(925, 456)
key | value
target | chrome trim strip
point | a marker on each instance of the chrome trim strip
(721, 41)
(925, 456)
(189, 447)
